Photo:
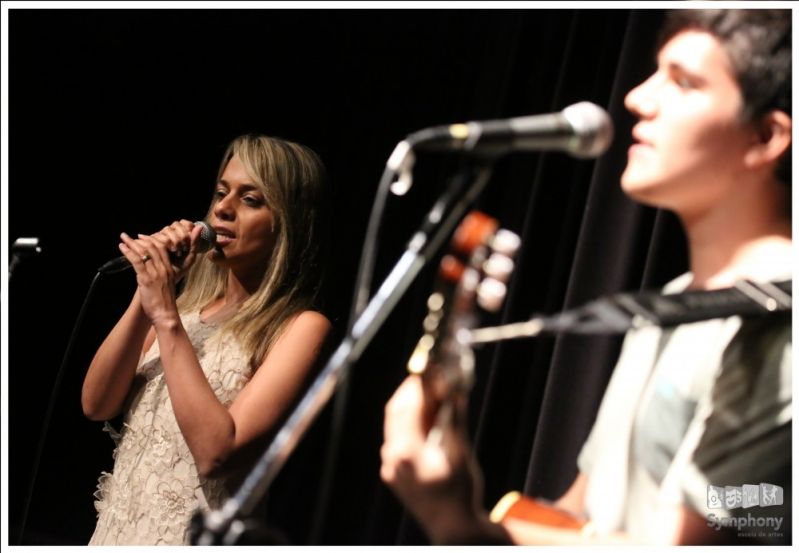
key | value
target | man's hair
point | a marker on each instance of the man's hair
(758, 45)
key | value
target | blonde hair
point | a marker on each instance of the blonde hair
(292, 179)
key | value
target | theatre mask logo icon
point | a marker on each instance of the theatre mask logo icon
(733, 497)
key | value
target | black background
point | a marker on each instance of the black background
(118, 119)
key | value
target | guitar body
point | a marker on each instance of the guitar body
(514, 505)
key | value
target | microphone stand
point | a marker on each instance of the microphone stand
(224, 526)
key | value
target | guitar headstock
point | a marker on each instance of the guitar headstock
(472, 277)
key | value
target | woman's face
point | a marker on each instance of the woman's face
(690, 142)
(244, 224)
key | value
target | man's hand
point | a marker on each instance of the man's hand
(437, 478)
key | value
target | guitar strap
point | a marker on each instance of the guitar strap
(619, 313)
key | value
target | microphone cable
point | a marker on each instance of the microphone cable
(363, 285)
(205, 242)
(51, 407)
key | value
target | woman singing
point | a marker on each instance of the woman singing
(201, 376)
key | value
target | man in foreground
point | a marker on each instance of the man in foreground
(703, 404)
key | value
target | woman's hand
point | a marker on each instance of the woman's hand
(155, 273)
(180, 238)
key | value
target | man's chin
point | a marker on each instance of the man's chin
(633, 185)
(640, 190)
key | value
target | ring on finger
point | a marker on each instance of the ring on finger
(145, 258)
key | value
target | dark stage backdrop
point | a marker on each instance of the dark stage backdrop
(118, 119)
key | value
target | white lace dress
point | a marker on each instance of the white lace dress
(155, 488)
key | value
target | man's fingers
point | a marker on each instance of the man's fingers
(404, 413)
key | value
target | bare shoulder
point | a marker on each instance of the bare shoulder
(311, 321)
(306, 328)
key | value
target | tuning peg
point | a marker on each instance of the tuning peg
(498, 266)
(506, 242)
(491, 294)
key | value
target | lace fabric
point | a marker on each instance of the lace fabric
(155, 487)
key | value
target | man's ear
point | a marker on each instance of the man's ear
(772, 139)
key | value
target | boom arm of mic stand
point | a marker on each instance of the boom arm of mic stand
(442, 219)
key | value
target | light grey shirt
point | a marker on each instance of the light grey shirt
(706, 403)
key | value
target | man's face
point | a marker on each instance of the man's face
(689, 142)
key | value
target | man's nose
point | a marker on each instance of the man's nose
(640, 101)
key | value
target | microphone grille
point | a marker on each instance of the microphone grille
(207, 237)
(593, 129)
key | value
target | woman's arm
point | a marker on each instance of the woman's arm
(111, 372)
(214, 432)
(211, 430)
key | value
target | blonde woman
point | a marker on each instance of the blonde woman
(202, 376)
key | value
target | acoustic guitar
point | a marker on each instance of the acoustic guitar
(472, 278)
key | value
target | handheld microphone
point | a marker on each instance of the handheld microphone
(205, 242)
(583, 130)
